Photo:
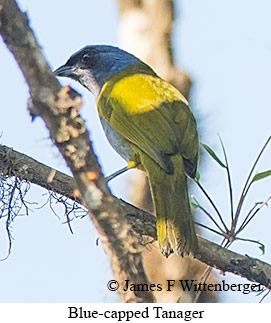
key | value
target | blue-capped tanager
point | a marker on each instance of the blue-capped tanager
(149, 123)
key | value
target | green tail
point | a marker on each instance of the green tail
(175, 227)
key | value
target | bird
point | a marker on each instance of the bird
(150, 124)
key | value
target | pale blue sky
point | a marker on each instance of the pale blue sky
(226, 48)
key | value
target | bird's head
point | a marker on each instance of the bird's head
(93, 65)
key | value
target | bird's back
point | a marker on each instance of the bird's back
(151, 114)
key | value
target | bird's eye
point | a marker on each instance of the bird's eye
(86, 58)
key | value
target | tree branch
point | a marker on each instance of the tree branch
(13, 163)
(59, 109)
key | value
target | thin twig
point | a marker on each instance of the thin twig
(208, 214)
(212, 203)
(9, 218)
(247, 185)
(228, 176)
(210, 229)
(248, 219)
(251, 240)
(247, 216)
(267, 292)
(204, 276)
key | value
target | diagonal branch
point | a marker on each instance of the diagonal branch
(59, 109)
(13, 163)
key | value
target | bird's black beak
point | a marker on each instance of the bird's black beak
(64, 70)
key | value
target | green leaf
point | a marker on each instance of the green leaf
(258, 203)
(213, 154)
(262, 248)
(179, 300)
(194, 205)
(198, 176)
(261, 175)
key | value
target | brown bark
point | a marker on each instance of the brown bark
(59, 109)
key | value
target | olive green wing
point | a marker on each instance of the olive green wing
(154, 116)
